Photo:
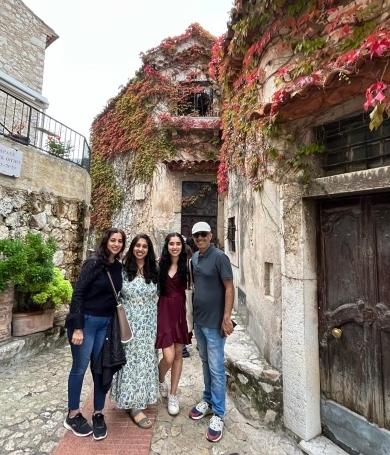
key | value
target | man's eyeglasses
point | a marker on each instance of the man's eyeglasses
(201, 234)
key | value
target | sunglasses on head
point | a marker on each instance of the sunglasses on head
(201, 234)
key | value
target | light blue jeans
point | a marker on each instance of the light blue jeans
(95, 329)
(211, 351)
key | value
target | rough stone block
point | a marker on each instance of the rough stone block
(6, 304)
(270, 417)
(252, 381)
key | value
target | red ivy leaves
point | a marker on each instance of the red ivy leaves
(222, 177)
(375, 94)
(216, 57)
(258, 47)
(375, 45)
(378, 44)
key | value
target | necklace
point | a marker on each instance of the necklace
(140, 271)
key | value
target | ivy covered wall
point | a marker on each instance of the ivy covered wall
(168, 111)
(283, 60)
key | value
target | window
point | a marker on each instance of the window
(351, 146)
(196, 104)
(268, 279)
(232, 233)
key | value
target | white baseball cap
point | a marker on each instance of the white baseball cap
(201, 226)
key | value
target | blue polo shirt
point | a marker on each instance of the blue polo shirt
(209, 271)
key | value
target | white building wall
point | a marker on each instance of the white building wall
(256, 262)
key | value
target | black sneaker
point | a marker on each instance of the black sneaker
(99, 426)
(78, 425)
(185, 354)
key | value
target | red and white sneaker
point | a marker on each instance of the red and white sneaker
(215, 429)
(201, 410)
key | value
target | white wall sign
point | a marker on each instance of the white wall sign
(10, 161)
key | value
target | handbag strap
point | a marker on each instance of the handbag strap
(113, 287)
(190, 284)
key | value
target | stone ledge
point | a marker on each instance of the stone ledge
(19, 348)
(254, 384)
(321, 446)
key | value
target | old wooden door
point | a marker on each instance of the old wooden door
(354, 304)
(199, 203)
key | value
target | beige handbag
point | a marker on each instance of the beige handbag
(189, 295)
(126, 333)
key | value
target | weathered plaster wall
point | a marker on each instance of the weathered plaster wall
(258, 238)
(22, 43)
(155, 208)
(52, 197)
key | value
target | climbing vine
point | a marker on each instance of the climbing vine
(140, 118)
(295, 46)
(107, 196)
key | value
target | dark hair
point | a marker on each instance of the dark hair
(165, 262)
(190, 242)
(150, 266)
(102, 251)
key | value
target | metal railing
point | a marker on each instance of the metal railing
(27, 125)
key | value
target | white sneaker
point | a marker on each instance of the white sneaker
(163, 388)
(173, 405)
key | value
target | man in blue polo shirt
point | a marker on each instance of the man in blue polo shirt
(213, 304)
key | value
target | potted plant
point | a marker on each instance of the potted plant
(57, 147)
(56, 293)
(39, 286)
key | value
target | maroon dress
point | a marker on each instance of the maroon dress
(171, 315)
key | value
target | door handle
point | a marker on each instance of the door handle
(336, 332)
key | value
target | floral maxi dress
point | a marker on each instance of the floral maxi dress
(136, 384)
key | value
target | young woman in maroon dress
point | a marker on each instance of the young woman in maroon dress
(172, 332)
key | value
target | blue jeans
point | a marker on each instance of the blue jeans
(211, 350)
(95, 329)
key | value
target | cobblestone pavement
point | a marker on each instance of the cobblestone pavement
(242, 436)
(33, 397)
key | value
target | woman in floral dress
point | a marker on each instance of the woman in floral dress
(136, 385)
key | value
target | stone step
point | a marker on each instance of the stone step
(18, 348)
(321, 446)
(254, 384)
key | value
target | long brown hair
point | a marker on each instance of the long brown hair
(102, 250)
(150, 266)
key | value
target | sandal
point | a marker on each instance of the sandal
(144, 423)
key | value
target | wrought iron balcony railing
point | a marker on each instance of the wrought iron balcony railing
(27, 125)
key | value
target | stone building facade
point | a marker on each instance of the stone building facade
(24, 38)
(312, 291)
(51, 195)
(183, 186)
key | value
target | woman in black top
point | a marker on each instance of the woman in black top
(91, 310)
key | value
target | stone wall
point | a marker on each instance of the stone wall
(23, 40)
(22, 212)
(6, 303)
(254, 384)
(51, 197)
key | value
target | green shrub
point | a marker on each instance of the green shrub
(12, 260)
(28, 264)
(57, 292)
(38, 267)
